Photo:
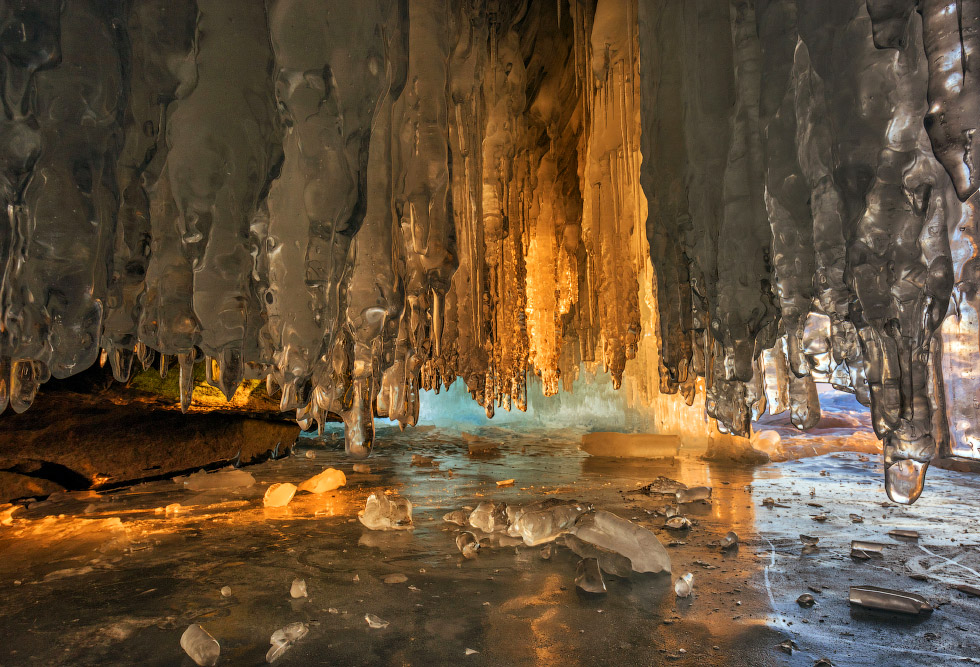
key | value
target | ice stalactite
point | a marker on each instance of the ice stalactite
(30, 42)
(664, 178)
(503, 212)
(542, 287)
(63, 224)
(426, 237)
(465, 318)
(168, 323)
(160, 38)
(786, 193)
(611, 179)
(223, 151)
(709, 94)
(951, 40)
(894, 204)
(908, 206)
(333, 81)
(814, 150)
(727, 202)
(373, 300)
(776, 378)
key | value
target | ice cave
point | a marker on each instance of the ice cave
(491, 332)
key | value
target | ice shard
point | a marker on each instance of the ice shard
(61, 230)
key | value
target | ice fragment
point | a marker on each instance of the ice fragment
(684, 585)
(202, 648)
(588, 577)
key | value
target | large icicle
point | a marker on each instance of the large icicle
(55, 283)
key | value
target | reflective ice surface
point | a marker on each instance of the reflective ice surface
(119, 579)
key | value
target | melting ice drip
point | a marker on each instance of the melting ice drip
(358, 205)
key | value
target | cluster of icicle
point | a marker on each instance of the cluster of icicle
(807, 165)
(360, 202)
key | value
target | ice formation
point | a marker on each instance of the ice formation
(715, 201)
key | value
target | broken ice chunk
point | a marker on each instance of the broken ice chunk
(610, 562)
(363, 468)
(279, 495)
(284, 638)
(298, 588)
(886, 599)
(857, 518)
(663, 485)
(905, 534)
(639, 545)
(787, 646)
(730, 540)
(684, 585)
(678, 523)
(515, 513)
(376, 622)
(328, 480)
(867, 547)
(631, 445)
(693, 494)
(458, 517)
(489, 517)
(216, 481)
(809, 544)
(467, 544)
(199, 645)
(384, 513)
(588, 577)
(544, 525)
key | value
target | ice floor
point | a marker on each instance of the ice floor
(112, 579)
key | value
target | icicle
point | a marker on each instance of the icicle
(186, 362)
(121, 360)
(25, 378)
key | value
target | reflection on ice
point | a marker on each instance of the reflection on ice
(152, 568)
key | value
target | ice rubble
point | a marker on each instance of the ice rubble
(328, 480)
(198, 643)
(604, 541)
(221, 480)
(383, 513)
(283, 639)
(745, 197)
